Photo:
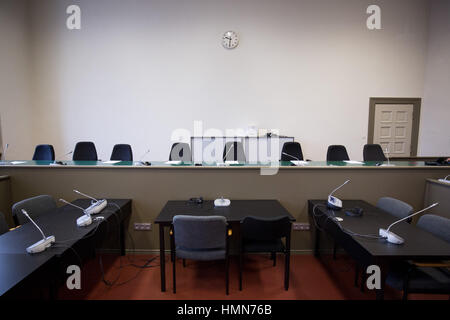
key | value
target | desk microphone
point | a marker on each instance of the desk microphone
(96, 205)
(145, 163)
(61, 163)
(333, 202)
(445, 179)
(41, 245)
(85, 219)
(394, 238)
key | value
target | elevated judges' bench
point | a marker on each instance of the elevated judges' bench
(151, 187)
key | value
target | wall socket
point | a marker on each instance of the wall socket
(300, 226)
(142, 226)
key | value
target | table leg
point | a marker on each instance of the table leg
(162, 260)
(316, 242)
(122, 238)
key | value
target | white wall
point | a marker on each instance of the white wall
(140, 69)
(435, 133)
(15, 71)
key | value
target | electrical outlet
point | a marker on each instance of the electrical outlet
(299, 226)
(142, 226)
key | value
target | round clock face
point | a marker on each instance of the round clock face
(230, 40)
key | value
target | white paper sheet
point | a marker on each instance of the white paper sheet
(299, 163)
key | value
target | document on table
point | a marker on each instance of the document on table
(17, 162)
(111, 162)
(173, 162)
(299, 163)
(353, 162)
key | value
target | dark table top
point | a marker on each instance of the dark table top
(418, 242)
(236, 212)
(16, 267)
(16, 264)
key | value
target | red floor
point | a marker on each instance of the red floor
(309, 279)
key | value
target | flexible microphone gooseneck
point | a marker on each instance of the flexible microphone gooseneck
(339, 187)
(226, 154)
(289, 155)
(394, 238)
(84, 195)
(85, 219)
(41, 245)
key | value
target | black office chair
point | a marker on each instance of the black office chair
(44, 152)
(3, 225)
(260, 235)
(35, 207)
(200, 238)
(337, 153)
(180, 152)
(423, 276)
(122, 152)
(234, 151)
(85, 151)
(291, 151)
(373, 152)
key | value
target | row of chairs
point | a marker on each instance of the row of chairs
(207, 238)
(86, 151)
(234, 151)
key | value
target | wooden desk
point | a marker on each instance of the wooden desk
(16, 265)
(235, 213)
(419, 244)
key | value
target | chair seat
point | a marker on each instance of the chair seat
(421, 279)
(205, 255)
(263, 246)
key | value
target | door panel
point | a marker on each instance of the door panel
(393, 128)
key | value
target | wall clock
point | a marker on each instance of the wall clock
(230, 40)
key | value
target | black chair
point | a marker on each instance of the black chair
(122, 152)
(373, 152)
(337, 153)
(85, 151)
(424, 276)
(260, 235)
(234, 151)
(291, 151)
(35, 207)
(180, 152)
(199, 238)
(44, 152)
(3, 225)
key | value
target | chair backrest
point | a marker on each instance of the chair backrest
(234, 151)
(85, 151)
(3, 225)
(35, 207)
(180, 152)
(196, 232)
(373, 152)
(44, 152)
(291, 148)
(437, 225)
(395, 207)
(255, 228)
(122, 152)
(337, 153)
